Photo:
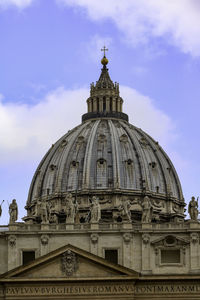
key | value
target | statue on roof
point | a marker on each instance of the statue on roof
(13, 212)
(70, 208)
(95, 210)
(124, 209)
(193, 208)
(146, 210)
(1, 208)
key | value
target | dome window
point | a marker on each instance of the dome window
(152, 164)
(64, 143)
(74, 163)
(123, 138)
(101, 161)
(52, 167)
(129, 162)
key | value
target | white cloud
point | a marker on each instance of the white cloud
(178, 21)
(144, 114)
(26, 132)
(18, 3)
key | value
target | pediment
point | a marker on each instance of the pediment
(69, 262)
(170, 241)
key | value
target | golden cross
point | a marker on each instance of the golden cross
(104, 49)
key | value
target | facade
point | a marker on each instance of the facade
(105, 210)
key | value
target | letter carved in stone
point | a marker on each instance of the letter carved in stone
(69, 263)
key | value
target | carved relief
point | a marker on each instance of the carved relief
(44, 239)
(127, 237)
(94, 238)
(194, 237)
(12, 240)
(69, 263)
(146, 238)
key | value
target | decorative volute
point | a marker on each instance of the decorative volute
(104, 100)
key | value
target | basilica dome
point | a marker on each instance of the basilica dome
(107, 157)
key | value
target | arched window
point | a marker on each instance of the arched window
(73, 176)
(101, 173)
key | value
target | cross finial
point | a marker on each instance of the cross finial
(104, 50)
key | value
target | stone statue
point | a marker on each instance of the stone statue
(95, 210)
(70, 208)
(125, 209)
(193, 209)
(146, 210)
(13, 211)
(1, 208)
(44, 212)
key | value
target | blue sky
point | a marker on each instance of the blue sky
(49, 55)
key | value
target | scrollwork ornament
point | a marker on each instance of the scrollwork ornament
(12, 240)
(44, 239)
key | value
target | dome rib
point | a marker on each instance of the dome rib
(88, 155)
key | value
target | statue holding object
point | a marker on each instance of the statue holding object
(13, 212)
(193, 209)
(146, 210)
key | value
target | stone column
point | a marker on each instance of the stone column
(94, 104)
(118, 105)
(100, 104)
(113, 104)
(89, 101)
(146, 265)
(107, 104)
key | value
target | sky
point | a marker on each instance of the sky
(50, 52)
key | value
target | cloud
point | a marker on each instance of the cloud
(27, 131)
(18, 3)
(176, 21)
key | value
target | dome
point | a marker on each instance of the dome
(109, 158)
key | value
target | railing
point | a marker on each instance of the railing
(99, 226)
